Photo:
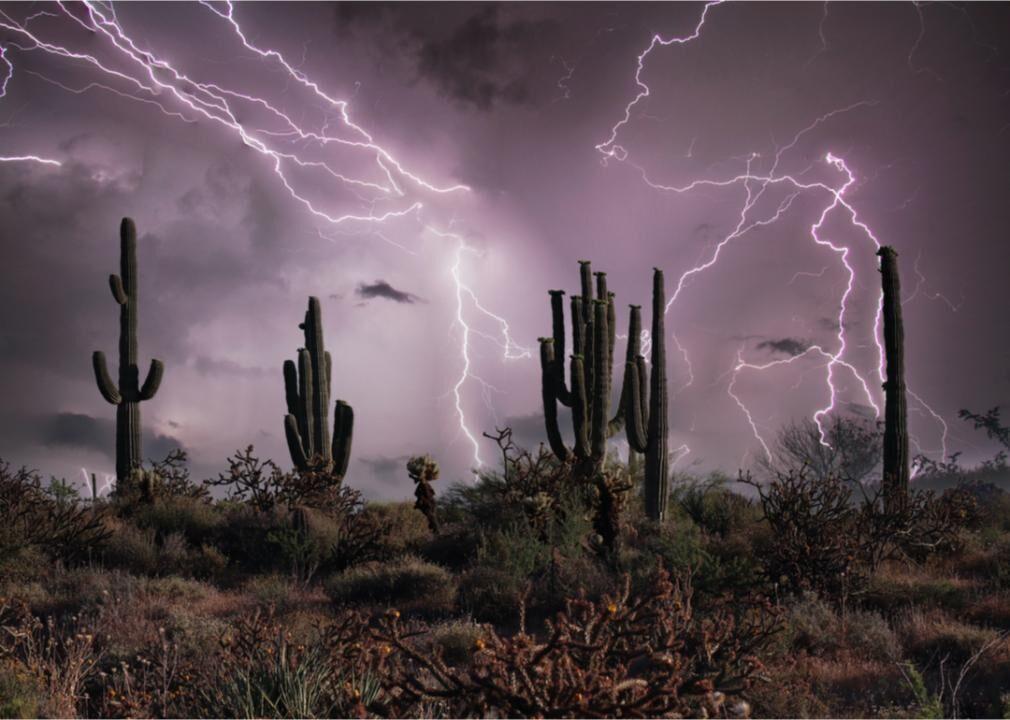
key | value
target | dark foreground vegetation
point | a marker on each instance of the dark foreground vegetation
(528, 594)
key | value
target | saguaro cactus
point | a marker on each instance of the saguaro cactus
(307, 389)
(591, 369)
(647, 428)
(896, 469)
(129, 393)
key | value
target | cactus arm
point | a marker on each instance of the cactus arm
(558, 333)
(105, 385)
(580, 408)
(601, 380)
(633, 351)
(343, 433)
(548, 391)
(638, 438)
(306, 389)
(612, 334)
(295, 445)
(118, 293)
(291, 387)
(586, 277)
(153, 380)
(329, 371)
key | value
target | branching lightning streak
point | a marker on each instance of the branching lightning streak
(754, 185)
(154, 80)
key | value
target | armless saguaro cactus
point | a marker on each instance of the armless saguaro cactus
(129, 393)
(591, 370)
(647, 427)
(896, 469)
(307, 389)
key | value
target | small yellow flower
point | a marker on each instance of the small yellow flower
(385, 649)
(480, 644)
(611, 609)
(578, 698)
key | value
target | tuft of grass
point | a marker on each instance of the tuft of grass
(408, 584)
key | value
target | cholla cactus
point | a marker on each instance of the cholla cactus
(612, 488)
(423, 470)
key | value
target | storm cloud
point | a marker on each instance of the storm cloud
(524, 110)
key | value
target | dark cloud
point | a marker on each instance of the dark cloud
(788, 346)
(83, 432)
(382, 289)
(387, 469)
(480, 63)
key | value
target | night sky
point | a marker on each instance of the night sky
(487, 134)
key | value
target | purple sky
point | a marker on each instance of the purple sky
(517, 103)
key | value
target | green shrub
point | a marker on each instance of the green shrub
(409, 584)
(490, 595)
(20, 693)
(404, 529)
(272, 590)
(713, 506)
(132, 549)
(457, 640)
(194, 518)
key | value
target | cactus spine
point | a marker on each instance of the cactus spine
(307, 390)
(896, 469)
(129, 393)
(647, 429)
(591, 370)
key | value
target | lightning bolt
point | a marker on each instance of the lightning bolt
(384, 190)
(754, 185)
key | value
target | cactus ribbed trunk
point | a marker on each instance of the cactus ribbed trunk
(307, 393)
(647, 429)
(129, 393)
(896, 460)
(590, 372)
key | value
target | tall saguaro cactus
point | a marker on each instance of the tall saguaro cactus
(647, 429)
(896, 469)
(591, 369)
(307, 389)
(129, 393)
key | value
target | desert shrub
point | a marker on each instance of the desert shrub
(131, 548)
(35, 517)
(712, 506)
(207, 562)
(264, 486)
(271, 590)
(456, 641)
(455, 546)
(645, 654)
(404, 529)
(823, 539)
(814, 626)
(409, 584)
(259, 672)
(57, 657)
(194, 518)
(490, 594)
(20, 692)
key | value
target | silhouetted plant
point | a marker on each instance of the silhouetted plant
(128, 393)
(33, 517)
(647, 654)
(423, 470)
(896, 457)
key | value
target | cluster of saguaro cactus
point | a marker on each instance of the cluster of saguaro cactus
(307, 389)
(591, 369)
(128, 393)
(643, 414)
(896, 468)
